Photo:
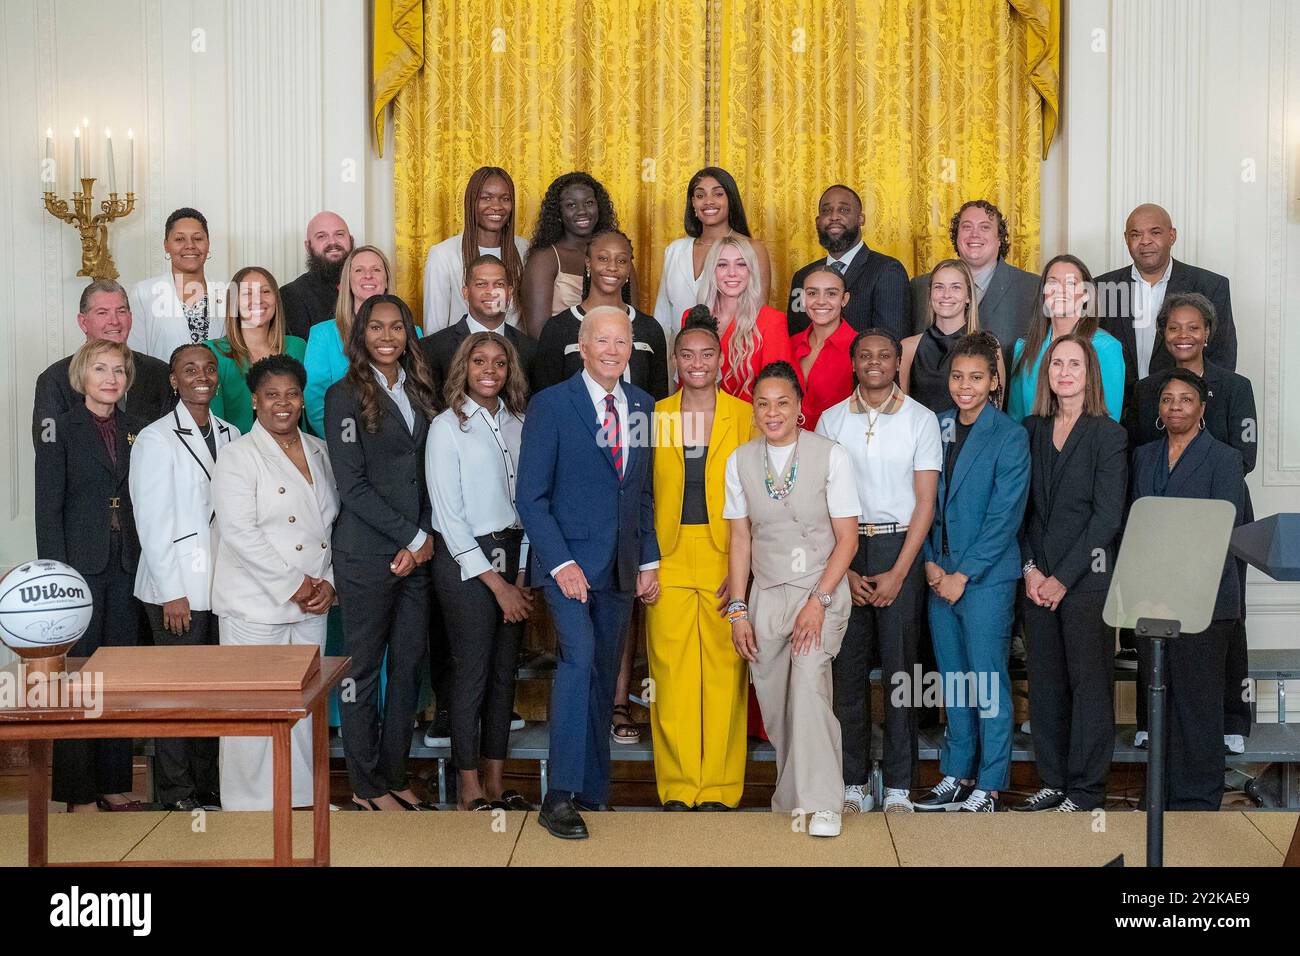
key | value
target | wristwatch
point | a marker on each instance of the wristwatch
(823, 599)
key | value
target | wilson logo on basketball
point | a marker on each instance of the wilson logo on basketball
(49, 592)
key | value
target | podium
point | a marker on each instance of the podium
(1165, 582)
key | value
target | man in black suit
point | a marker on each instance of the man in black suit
(1006, 295)
(487, 293)
(876, 283)
(1129, 299)
(311, 297)
(104, 313)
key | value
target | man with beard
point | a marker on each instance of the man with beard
(311, 297)
(876, 283)
(1006, 295)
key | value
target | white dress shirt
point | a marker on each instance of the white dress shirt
(474, 325)
(847, 258)
(444, 277)
(598, 393)
(471, 474)
(398, 394)
(1148, 297)
(903, 442)
(841, 491)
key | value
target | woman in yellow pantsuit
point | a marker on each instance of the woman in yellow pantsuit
(698, 699)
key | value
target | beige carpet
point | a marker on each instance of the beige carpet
(669, 839)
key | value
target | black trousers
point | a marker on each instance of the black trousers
(184, 766)
(1194, 669)
(439, 648)
(483, 653)
(381, 613)
(1071, 698)
(892, 633)
(84, 770)
(1237, 712)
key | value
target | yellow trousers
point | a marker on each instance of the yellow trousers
(697, 713)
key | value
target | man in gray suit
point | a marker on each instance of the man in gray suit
(1006, 295)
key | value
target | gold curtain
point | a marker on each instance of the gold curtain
(917, 104)
(397, 53)
(543, 89)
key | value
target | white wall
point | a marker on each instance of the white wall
(254, 112)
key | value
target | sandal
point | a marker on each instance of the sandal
(512, 800)
(627, 733)
(478, 803)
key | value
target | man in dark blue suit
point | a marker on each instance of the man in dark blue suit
(584, 496)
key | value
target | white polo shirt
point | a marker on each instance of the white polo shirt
(905, 439)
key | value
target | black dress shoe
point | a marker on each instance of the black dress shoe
(512, 800)
(184, 805)
(562, 819)
(208, 799)
(592, 807)
(408, 805)
(676, 806)
(713, 806)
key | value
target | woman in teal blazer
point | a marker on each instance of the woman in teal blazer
(255, 328)
(1063, 306)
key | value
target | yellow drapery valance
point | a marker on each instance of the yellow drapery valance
(918, 104)
(397, 53)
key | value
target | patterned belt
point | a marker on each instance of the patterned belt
(871, 530)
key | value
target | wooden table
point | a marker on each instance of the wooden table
(188, 714)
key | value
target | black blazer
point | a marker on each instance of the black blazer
(1229, 413)
(76, 483)
(1076, 504)
(383, 497)
(558, 358)
(440, 348)
(149, 399)
(307, 300)
(1207, 469)
(1115, 314)
(879, 296)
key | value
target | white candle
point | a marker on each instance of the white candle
(76, 159)
(108, 154)
(88, 156)
(130, 161)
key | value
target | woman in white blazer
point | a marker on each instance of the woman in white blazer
(171, 481)
(178, 307)
(275, 500)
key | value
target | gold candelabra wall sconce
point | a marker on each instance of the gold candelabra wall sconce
(80, 212)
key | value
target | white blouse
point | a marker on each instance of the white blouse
(471, 474)
(678, 288)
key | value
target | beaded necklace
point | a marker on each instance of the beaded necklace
(777, 491)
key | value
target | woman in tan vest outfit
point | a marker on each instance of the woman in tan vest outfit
(792, 504)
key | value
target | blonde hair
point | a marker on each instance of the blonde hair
(85, 355)
(972, 307)
(236, 347)
(746, 340)
(345, 309)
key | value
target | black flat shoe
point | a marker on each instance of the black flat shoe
(676, 806)
(561, 819)
(363, 804)
(713, 806)
(210, 800)
(408, 805)
(513, 800)
(478, 803)
(184, 805)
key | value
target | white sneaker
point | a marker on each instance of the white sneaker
(857, 799)
(825, 823)
(1234, 743)
(898, 801)
(1140, 740)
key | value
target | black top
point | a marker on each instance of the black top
(383, 498)
(440, 348)
(1076, 500)
(931, 365)
(695, 502)
(80, 486)
(558, 358)
(960, 431)
(1229, 411)
(307, 300)
(149, 399)
(880, 296)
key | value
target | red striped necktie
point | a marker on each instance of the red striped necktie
(615, 436)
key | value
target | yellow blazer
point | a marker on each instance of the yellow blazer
(733, 425)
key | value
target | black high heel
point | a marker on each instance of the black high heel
(368, 804)
(407, 805)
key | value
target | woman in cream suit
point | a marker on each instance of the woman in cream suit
(171, 488)
(275, 499)
(697, 711)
